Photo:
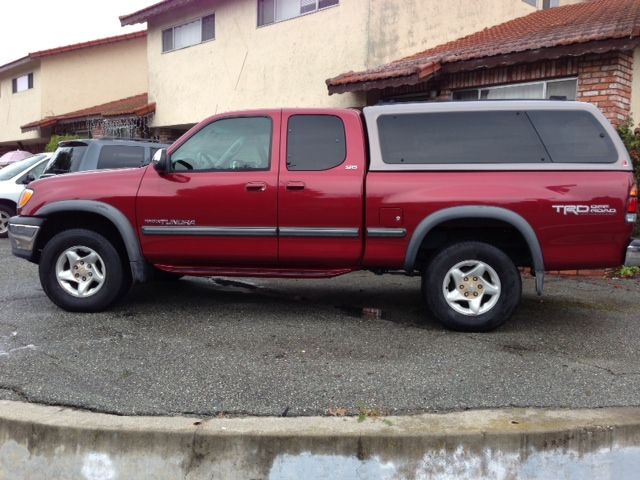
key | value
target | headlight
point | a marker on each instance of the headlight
(25, 197)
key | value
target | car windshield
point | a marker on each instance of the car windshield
(17, 168)
(65, 159)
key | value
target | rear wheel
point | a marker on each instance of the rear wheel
(472, 286)
(81, 271)
(5, 214)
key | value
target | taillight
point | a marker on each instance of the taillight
(632, 204)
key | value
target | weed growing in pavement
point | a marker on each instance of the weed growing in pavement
(628, 272)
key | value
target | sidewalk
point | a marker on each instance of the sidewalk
(38, 442)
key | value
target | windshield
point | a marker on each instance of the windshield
(17, 168)
(65, 160)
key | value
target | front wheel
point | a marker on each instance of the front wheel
(81, 271)
(472, 287)
(5, 214)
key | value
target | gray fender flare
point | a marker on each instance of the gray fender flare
(115, 216)
(479, 211)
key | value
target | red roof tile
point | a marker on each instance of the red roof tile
(556, 27)
(152, 10)
(131, 106)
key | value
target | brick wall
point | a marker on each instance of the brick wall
(604, 80)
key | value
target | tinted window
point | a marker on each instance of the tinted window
(120, 156)
(574, 137)
(65, 160)
(315, 142)
(228, 144)
(459, 137)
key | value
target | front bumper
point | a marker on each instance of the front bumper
(23, 232)
(633, 254)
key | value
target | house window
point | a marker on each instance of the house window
(22, 83)
(271, 11)
(543, 4)
(188, 34)
(564, 89)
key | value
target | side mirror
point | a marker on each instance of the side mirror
(161, 161)
(28, 179)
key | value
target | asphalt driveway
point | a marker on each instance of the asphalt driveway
(267, 347)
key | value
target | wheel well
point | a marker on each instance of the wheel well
(498, 233)
(8, 203)
(61, 221)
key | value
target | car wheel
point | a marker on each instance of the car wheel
(472, 287)
(5, 214)
(81, 271)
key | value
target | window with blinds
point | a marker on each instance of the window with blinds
(188, 34)
(272, 11)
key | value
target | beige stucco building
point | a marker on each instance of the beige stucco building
(262, 53)
(55, 82)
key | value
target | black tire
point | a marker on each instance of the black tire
(467, 256)
(116, 281)
(6, 212)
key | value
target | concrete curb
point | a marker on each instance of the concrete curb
(52, 442)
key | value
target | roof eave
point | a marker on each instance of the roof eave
(19, 63)
(507, 59)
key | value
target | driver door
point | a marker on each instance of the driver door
(217, 206)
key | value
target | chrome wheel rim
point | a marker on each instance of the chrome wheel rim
(4, 221)
(471, 288)
(80, 271)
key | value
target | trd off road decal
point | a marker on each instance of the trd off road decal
(584, 209)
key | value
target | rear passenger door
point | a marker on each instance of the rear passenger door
(320, 189)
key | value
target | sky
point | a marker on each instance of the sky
(31, 25)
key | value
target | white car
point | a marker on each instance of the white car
(13, 180)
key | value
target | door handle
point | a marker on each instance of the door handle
(256, 186)
(295, 185)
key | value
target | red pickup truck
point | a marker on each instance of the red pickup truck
(461, 193)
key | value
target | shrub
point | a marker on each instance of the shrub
(55, 139)
(631, 138)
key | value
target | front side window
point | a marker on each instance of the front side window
(66, 159)
(15, 168)
(22, 83)
(188, 34)
(271, 11)
(229, 144)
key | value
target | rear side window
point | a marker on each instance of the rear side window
(315, 142)
(573, 137)
(459, 137)
(66, 159)
(120, 156)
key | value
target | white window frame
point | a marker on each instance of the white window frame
(539, 4)
(275, 8)
(173, 39)
(16, 81)
(545, 84)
